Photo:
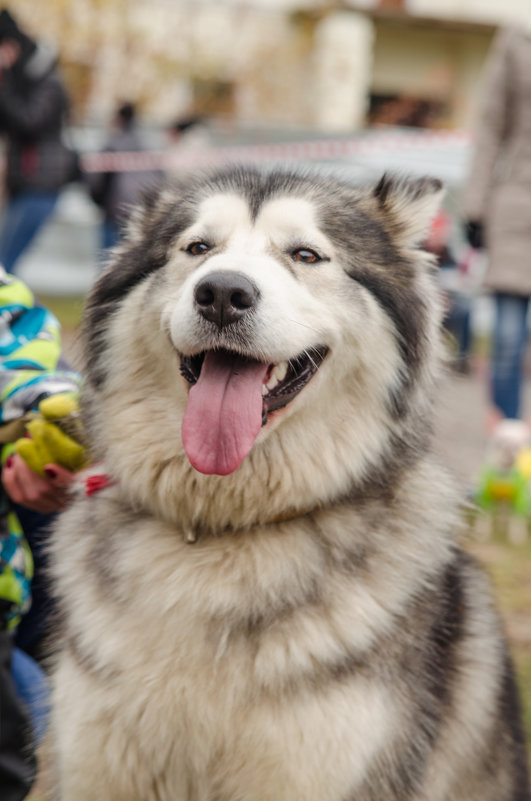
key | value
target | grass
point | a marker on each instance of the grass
(510, 569)
(68, 310)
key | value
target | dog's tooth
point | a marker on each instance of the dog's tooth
(278, 374)
(280, 371)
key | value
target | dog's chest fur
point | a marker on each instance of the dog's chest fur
(256, 646)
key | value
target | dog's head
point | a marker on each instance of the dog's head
(260, 318)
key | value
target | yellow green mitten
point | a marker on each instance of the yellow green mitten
(54, 407)
(55, 436)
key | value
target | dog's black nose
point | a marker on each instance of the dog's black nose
(225, 297)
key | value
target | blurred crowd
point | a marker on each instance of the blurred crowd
(40, 159)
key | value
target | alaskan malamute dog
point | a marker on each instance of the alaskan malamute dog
(265, 600)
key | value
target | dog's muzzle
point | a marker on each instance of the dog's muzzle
(232, 392)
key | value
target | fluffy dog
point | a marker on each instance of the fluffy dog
(266, 600)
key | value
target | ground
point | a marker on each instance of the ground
(460, 440)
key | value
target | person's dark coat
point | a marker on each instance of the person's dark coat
(33, 107)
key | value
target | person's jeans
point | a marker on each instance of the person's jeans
(508, 350)
(110, 234)
(32, 688)
(23, 216)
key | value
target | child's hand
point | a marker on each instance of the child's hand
(47, 493)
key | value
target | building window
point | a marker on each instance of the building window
(410, 111)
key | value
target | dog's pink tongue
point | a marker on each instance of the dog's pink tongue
(224, 412)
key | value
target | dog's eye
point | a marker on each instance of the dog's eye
(306, 255)
(197, 248)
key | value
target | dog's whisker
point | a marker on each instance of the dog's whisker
(303, 325)
(310, 359)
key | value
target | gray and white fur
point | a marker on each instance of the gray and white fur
(305, 625)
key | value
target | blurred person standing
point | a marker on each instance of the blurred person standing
(187, 138)
(116, 191)
(33, 110)
(497, 208)
(456, 295)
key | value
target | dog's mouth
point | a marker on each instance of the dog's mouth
(230, 399)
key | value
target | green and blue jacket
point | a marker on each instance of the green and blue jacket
(30, 370)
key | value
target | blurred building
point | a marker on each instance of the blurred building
(325, 64)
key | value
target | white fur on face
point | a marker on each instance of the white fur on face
(291, 315)
(301, 306)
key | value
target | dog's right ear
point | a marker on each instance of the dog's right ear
(410, 204)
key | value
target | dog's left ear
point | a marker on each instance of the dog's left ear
(410, 204)
(143, 213)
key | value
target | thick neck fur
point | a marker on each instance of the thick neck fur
(357, 428)
(156, 476)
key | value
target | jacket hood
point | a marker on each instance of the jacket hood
(41, 62)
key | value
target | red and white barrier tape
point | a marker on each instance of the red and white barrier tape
(311, 150)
